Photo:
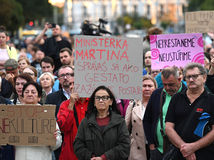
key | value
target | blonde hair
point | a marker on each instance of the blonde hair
(148, 77)
(50, 75)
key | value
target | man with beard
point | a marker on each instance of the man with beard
(154, 117)
(51, 46)
(65, 76)
(66, 80)
(66, 57)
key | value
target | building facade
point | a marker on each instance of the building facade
(76, 11)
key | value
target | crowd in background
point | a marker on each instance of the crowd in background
(43, 70)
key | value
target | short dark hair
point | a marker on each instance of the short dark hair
(66, 49)
(92, 109)
(47, 59)
(36, 85)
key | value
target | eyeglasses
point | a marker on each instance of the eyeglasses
(68, 75)
(104, 98)
(194, 76)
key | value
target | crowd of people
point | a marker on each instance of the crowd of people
(175, 109)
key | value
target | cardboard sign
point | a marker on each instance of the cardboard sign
(199, 22)
(110, 61)
(27, 125)
(176, 49)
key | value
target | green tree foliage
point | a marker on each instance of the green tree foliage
(135, 21)
(36, 9)
(11, 14)
(196, 5)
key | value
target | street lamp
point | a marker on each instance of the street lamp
(55, 4)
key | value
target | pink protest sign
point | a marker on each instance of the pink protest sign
(176, 49)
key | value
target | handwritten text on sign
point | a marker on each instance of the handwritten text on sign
(110, 61)
(32, 125)
(176, 49)
(199, 22)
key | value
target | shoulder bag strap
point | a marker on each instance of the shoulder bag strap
(75, 116)
(161, 114)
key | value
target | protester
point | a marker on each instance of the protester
(19, 82)
(154, 117)
(65, 75)
(23, 63)
(47, 65)
(46, 80)
(51, 46)
(122, 105)
(70, 115)
(6, 52)
(39, 55)
(11, 68)
(146, 41)
(102, 134)
(190, 123)
(66, 57)
(147, 63)
(154, 72)
(134, 117)
(32, 93)
(6, 151)
(31, 71)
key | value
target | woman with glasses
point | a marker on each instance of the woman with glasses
(31, 94)
(134, 117)
(102, 134)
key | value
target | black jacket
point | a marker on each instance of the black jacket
(152, 115)
(56, 98)
(114, 141)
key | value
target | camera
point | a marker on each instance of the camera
(89, 28)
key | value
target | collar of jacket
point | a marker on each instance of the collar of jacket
(115, 119)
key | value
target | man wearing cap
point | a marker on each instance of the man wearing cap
(51, 46)
(11, 68)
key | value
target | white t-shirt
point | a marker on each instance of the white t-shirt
(3, 55)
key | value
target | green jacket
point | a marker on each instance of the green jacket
(114, 142)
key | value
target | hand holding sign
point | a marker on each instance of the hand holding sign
(73, 98)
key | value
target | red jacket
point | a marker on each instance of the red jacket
(67, 124)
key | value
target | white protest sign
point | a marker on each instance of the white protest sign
(111, 61)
